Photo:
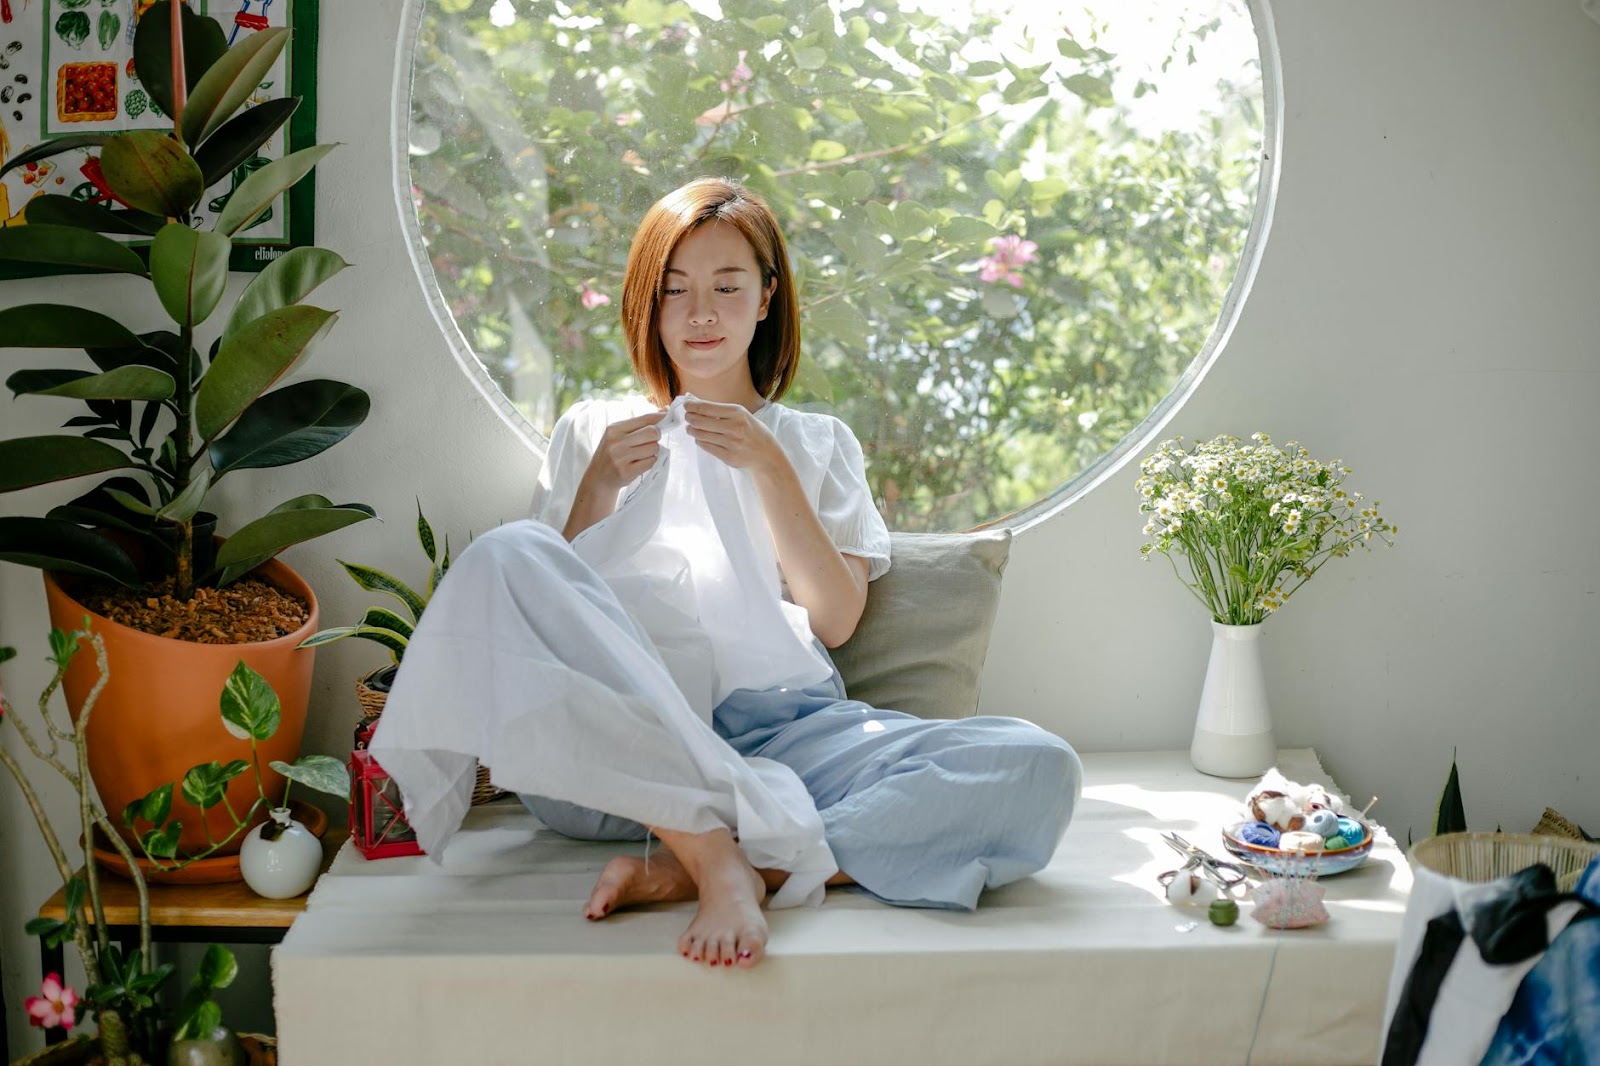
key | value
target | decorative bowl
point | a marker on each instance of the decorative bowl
(1296, 863)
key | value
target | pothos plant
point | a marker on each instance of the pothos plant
(250, 711)
(124, 989)
(169, 422)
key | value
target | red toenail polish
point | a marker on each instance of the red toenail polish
(745, 954)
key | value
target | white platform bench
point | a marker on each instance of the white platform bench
(488, 959)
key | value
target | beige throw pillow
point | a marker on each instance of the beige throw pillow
(925, 631)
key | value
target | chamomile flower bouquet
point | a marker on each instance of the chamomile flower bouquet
(1246, 525)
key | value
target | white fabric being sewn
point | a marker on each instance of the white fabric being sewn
(689, 553)
(587, 672)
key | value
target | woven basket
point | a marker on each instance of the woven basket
(372, 700)
(1554, 823)
(1480, 857)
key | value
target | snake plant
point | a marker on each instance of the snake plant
(381, 625)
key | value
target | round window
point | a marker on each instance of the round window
(1018, 234)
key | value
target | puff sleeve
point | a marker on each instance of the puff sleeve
(572, 444)
(845, 505)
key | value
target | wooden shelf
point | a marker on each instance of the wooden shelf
(228, 905)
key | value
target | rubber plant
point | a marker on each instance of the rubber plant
(167, 423)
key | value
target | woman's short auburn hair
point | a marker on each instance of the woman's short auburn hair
(775, 348)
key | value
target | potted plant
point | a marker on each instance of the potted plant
(279, 858)
(1251, 524)
(382, 625)
(168, 424)
(124, 991)
(393, 630)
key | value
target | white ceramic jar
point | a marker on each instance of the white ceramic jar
(281, 861)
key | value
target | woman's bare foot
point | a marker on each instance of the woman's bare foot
(626, 881)
(729, 928)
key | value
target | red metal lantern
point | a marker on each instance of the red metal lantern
(378, 825)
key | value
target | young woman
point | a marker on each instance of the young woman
(575, 681)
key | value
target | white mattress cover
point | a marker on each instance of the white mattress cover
(487, 958)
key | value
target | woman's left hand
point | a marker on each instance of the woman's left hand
(731, 433)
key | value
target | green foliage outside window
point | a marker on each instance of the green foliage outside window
(1000, 274)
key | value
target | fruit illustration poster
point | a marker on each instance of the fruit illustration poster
(67, 67)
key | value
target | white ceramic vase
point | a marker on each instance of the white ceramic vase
(1233, 729)
(281, 866)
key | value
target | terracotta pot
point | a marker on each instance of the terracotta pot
(159, 713)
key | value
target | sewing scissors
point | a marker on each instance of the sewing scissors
(1225, 874)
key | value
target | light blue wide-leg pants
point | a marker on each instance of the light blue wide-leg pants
(919, 812)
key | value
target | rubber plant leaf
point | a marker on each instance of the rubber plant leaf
(257, 192)
(61, 326)
(65, 211)
(51, 544)
(49, 148)
(150, 172)
(29, 461)
(81, 250)
(190, 269)
(286, 280)
(255, 357)
(124, 383)
(291, 424)
(204, 42)
(228, 84)
(270, 534)
(186, 504)
(241, 137)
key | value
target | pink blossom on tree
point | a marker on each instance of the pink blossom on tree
(739, 77)
(56, 1005)
(1010, 253)
(592, 298)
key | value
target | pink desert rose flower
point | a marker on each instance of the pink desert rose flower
(591, 298)
(56, 1005)
(1010, 252)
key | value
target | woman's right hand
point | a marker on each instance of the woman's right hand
(626, 450)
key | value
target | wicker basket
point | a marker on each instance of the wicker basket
(1480, 857)
(1554, 823)
(372, 700)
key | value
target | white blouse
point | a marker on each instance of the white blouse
(824, 452)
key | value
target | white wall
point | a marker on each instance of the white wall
(1425, 310)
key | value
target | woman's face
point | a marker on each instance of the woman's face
(711, 300)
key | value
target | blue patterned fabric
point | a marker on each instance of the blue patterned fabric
(1555, 1018)
(919, 812)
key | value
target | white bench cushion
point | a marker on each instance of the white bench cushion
(488, 959)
